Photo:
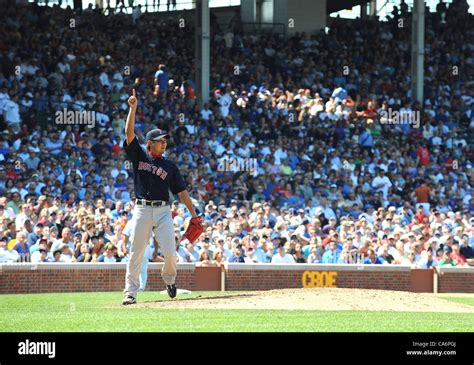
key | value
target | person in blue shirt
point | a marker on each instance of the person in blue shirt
(331, 256)
(263, 252)
(35, 235)
(406, 216)
(295, 200)
(366, 141)
(372, 258)
(116, 211)
(355, 211)
(161, 81)
(237, 256)
(339, 94)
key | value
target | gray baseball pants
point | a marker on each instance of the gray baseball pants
(147, 219)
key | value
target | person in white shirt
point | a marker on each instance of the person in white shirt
(326, 209)
(118, 170)
(7, 255)
(282, 257)
(224, 102)
(20, 190)
(12, 113)
(280, 154)
(178, 221)
(27, 101)
(191, 254)
(63, 66)
(206, 113)
(67, 255)
(381, 183)
(66, 239)
(181, 252)
(22, 216)
(53, 144)
(38, 256)
(24, 154)
(427, 260)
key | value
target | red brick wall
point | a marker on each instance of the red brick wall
(266, 279)
(28, 278)
(388, 280)
(35, 279)
(456, 280)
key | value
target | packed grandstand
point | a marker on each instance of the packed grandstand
(313, 151)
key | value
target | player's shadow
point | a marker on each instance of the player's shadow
(199, 297)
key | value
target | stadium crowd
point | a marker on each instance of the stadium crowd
(348, 168)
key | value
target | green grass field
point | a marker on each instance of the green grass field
(84, 312)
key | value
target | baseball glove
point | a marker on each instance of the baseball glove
(194, 230)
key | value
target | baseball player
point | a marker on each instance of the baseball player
(153, 177)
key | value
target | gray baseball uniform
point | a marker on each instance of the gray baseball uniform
(154, 178)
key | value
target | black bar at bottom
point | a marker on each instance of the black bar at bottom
(367, 348)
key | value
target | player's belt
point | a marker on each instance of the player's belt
(151, 203)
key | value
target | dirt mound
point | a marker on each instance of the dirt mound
(329, 299)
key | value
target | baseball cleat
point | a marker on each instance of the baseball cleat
(171, 289)
(128, 300)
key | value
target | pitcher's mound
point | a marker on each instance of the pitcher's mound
(329, 299)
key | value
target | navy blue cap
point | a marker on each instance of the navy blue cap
(156, 134)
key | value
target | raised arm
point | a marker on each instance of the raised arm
(130, 124)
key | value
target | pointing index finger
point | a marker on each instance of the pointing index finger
(134, 93)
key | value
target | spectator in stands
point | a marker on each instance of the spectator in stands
(331, 255)
(456, 257)
(373, 258)
(66, 239)
(205, 260)
(250, 256)
(57, 256)
(34, 236)
(66, 253)
(22, 247)
(428, 260)
(191, 254)
(42, 245)
(422, 195)
(84, 253)
(218, 257)
(384, 254)
(43, 256)
(7, 255)
(410, 259)
(110, 253)
(237, 256)
(446, 258)
(98, 247)
(314, 256)
(466, 250)
(282, 257)
(161, 81)
(298, 255)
